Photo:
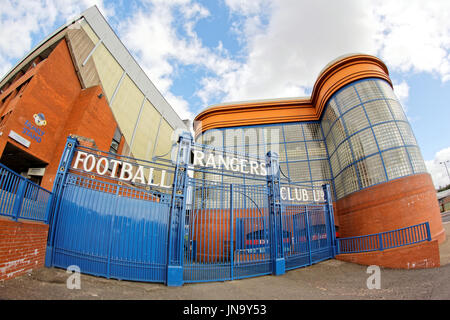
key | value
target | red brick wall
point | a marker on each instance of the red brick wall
(55, 91)
(22, 247)
(389, 206)
(417, 256)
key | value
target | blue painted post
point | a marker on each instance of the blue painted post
(18, 200)
(111, 232)
(428, 231)
(276, 230)
(178, 212)
(231, 240)
(380, 240)
(60, 179)
(308, 235)
(330, 212)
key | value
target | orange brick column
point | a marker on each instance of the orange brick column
(393, 205)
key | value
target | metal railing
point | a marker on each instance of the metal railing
(385, 240)
(22, 199)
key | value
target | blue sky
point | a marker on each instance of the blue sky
(203, 52)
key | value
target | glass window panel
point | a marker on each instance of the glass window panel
(233, 137)
(329, 117)
(397, 110)
(371, 171)
(334, 111)
(274, 134)
(347, 98)
(293, 132)
(334, 162)
(325, 123)
(386, 90)
(312, 131)
(278, 148)
(284, 174)
(330, 143)
(397, 163)
(296, 151)
(350, 180)
(368, 90)
(316, 150)
(299, 171)
(339, 185)
(387, 135)
(363, 144)
(416, 160)
(320, 170)
(355, 120)
(253, 150)
(406, 133)
(378, 111)
(338, 133)
(344, 154)
(251, 136)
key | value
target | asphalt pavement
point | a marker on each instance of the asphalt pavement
(327, 280)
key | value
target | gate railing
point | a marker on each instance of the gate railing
(20, 198)
(385, 240)
(240, 189)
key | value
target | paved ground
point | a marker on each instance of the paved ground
(329, 280)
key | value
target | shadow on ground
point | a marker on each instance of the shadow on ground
(330, 279)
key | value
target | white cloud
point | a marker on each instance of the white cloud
(22, 19)
(151, 34)
(401, 90)
(416, 35)
(437, 169)
(284, 55)
(285, 43)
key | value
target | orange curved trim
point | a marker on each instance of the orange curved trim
(335, 76)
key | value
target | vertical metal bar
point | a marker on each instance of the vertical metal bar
(308, 235)
(19, 198)
(427, 224)
(330, 213)
(63, 168)
(380, 240)
(177, 212)
(111, 230)
(231, 238)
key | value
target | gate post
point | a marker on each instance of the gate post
(18, 200)
(55, 198)
(276, 230)
(175, 242)
(329, 208)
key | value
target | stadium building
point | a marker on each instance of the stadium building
(81, 80)
(352, 133)
(79, 117)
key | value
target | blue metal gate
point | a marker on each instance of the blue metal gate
(181, 221)
(107, 228)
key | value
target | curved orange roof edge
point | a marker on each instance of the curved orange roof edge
(336, 75)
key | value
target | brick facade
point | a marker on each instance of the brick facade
(52, 88)
(416, 256)
(22, 247)
(389, 206)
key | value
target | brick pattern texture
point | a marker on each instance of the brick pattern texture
(417, 256)
(22, 247)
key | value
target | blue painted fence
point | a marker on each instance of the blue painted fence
(385, 240)
(22, 199)
(204, 224)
